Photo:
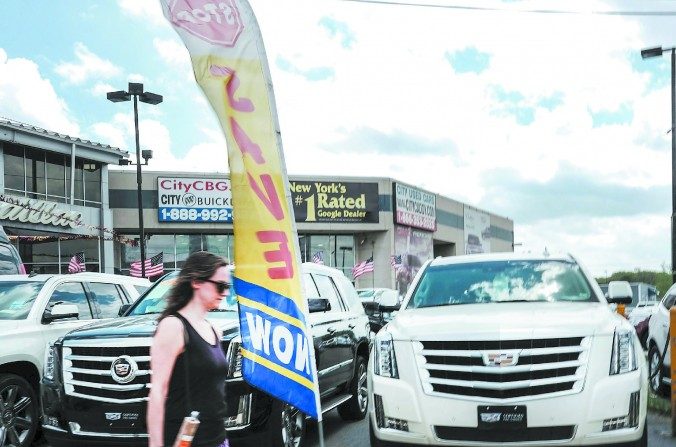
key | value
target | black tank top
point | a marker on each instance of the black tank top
(207, 371)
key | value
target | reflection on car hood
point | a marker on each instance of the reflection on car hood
(505, 321)
(140, 326)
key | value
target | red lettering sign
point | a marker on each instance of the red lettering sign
(282, 254)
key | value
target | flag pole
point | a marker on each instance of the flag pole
(373, 274)
(321, 432)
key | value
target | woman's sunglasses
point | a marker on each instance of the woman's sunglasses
(220, 285)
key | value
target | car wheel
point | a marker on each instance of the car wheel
(355, 408)
(18, 412)
(288, 429)
(656, 384)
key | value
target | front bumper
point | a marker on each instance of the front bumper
(73, 421)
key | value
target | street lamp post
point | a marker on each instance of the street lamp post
(136, 90)
(658, 52)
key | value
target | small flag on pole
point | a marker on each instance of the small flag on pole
(154, 266)
(318, 258)
(396, 262)
(77, 263)
(362, 267)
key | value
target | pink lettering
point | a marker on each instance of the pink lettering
(231, 86)
(269, 198)
(282, 254)
(246, 146)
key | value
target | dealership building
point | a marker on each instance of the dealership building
(59, 198)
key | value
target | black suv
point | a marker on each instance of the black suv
(89, 401)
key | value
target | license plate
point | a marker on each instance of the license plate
(502, 417)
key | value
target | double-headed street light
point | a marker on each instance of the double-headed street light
(658, 52)
(136, 90)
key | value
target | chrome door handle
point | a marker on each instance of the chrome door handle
(331, 330)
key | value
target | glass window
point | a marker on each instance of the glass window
(345, 253)
(92, 179)
(310, 287)
(35, 173)
(40, 251)
(501, 282)
(106, 299)
(68, 191)
(186, 244)
(72, 293)
(90, 247)
(302, 242)
(320, 244)
(79, 182)
(217, 244)
(157, 243)
(14, 167)
(17, 298)
(669, 301)
(328, 290)
(56, 177)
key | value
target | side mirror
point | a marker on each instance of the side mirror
(123, 309)
(61, 312)
(619, 292)
(318, 305)
(389, 301)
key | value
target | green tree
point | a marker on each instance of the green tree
(661, 280)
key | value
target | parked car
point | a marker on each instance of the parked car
(659, 351)
(10, 261)
(511, 349)
(86, 402)
(380, 304)
(34, 311)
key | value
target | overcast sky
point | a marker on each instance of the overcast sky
(552, 120)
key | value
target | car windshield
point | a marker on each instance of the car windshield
(366, 294)
(17, 298)
(501, 282)
(155, 300)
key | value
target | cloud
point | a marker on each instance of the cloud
(27, 96)
(571, 193)
(369, 140)
(171, 51)
(88, 65)
(468, 60)
(147, 10)
(101, 88)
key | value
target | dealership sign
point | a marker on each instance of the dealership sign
(328, 201)
(37, 212)
(415, 207)
(183, 199)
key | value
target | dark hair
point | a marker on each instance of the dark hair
(199, 266)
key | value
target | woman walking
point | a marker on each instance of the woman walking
(188, 364)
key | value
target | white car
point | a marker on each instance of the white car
(35, 310)
(505, 348)
(658, 347)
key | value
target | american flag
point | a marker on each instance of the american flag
(154, 266)
(362, 267)
(77, 263)
(396, 262)
(318, 258)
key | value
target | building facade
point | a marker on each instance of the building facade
(341, 221)
(54, 200)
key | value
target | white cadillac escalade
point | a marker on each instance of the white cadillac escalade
(505, 348)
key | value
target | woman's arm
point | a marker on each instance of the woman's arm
(163, 352)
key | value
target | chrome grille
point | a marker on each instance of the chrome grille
(503, 369)
(87, 369)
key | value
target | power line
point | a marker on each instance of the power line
(526, 11)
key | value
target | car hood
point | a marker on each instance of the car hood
(140, 326)
(6, 326)
(504, 321)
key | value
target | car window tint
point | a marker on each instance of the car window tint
(328, 290)
(106, 298)
(310, 287)
(9, 261)
(71, 293)
(141, 289)
(669, 301)
(349, 294)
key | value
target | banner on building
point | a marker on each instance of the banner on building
(414, 207)
(477, 231)
(229, 62)
(182, 199)
(412, 248)
(327, 201)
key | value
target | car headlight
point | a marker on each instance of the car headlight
(623, 358)
(234, 357)
(48, 368)
(385, 361)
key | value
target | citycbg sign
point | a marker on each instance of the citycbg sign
(194, 199)
(327, 201)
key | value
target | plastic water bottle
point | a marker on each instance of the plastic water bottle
(187, 431)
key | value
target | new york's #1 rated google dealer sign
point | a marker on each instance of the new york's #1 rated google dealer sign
(182, 199)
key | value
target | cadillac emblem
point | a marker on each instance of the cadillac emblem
(123, 369)
(500, 359)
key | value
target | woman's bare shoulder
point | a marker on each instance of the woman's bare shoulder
(169, 327)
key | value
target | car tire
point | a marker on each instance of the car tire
(287, 427)
(19, 425)
(656, 384)
(355, 409)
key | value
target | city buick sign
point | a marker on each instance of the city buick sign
(415, 207)
(184, 199)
